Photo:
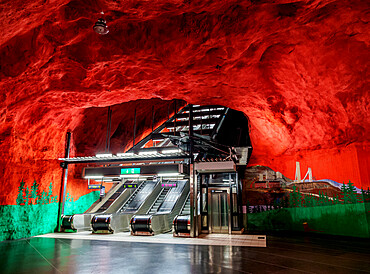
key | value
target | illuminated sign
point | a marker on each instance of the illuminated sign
(134, 170)
(130, 186)
(169, 185)
(93, 186)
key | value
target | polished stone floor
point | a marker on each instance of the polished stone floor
(167, 238)
(293, 254)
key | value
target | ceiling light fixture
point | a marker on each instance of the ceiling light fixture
(101, 27)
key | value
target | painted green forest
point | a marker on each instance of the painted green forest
(36, 211)
(345, 214)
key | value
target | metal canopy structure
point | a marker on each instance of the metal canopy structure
(129, 158)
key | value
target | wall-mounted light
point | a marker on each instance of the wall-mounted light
(101, 27)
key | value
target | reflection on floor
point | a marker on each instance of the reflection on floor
(282, 255)
(204, 239)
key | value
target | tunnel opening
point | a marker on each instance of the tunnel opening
(153, 178)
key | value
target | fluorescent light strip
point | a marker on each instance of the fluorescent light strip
(173, 150)
(141, 179)
(129, 175)
(94, 177)
(169, 174)
(103, 155)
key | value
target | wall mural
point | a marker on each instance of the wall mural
(36, 211)
(275, 203)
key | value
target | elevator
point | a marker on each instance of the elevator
(220, 202)
(219, 210)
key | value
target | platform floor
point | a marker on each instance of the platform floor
(293, 254)
(167, 238)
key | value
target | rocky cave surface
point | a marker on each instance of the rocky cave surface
(297, 69)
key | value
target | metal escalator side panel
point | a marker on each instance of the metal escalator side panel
(111, 192)
(163, 222)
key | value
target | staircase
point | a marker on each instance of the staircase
(159, 201)
(123, 209)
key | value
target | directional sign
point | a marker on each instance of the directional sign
(133, 170)
(169, 184)
(93, 186)
(127, 185)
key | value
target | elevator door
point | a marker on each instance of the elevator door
(219, 211)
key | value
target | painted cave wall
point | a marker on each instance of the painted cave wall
(298, 70)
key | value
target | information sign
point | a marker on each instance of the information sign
(130, 186)
(133, 170)
(169, 184)
(93, 186)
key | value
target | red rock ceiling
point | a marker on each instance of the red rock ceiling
(299, 70)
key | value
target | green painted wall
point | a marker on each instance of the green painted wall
(341, 219)
(26, 220)
(346, 214)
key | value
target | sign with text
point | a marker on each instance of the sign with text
(169, 184)
(127, 185)
(93, 186)
(133, 170)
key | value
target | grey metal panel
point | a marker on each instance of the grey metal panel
(105, 199)
(163, 222)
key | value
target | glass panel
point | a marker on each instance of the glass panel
(235, 221)
(215, 212)
(235, 203)
(224, 216)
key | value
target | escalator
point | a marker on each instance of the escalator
(181, 223)
(159, 201)
(158, 219)
(139, 202)
(80, 222)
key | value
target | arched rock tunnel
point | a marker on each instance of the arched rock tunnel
(297, 69)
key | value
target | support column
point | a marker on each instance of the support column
(193, 182)
(63, 185)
